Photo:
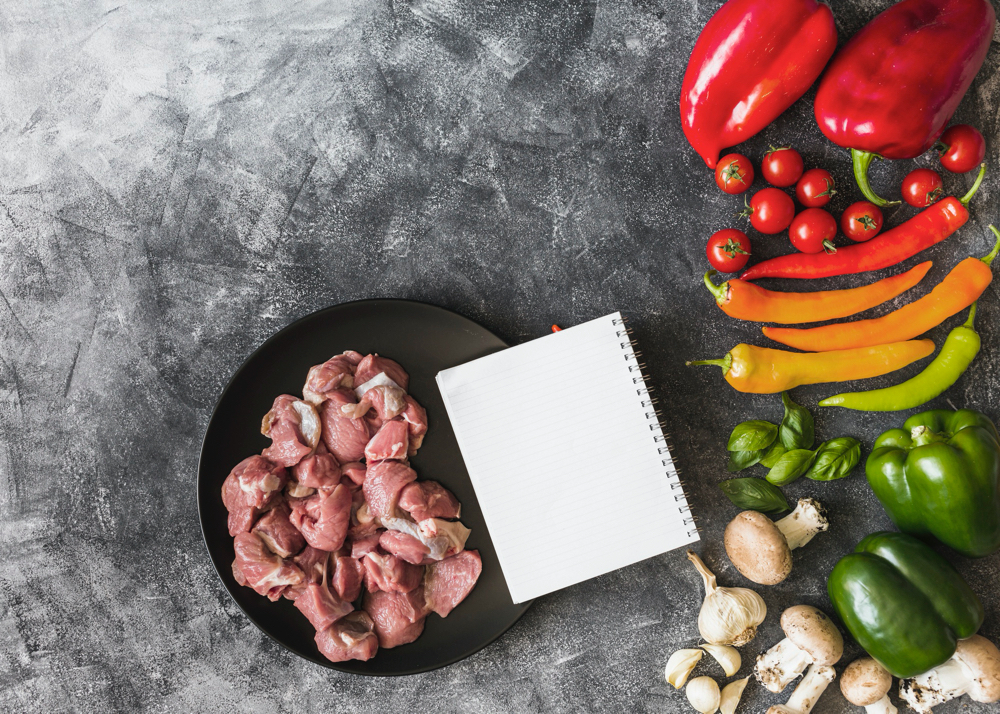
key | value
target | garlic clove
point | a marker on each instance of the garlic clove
(680, 664)
(703, 693)
(726, 656)
(731, 695)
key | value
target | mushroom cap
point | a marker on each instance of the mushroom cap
(812, 631)
(865, 682)
(982, 658)
(757, 548)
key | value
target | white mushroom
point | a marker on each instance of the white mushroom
(808, 692)
(974, 669)
(866, 683)
(761, 549)
(703, 693)
(679, 666)
(810, 638)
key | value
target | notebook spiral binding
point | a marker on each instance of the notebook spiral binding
(654, 416)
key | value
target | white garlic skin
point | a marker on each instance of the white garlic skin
(704, 695)
(730, 616)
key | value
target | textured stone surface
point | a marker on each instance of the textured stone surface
(178, 180)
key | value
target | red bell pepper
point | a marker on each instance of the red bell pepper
(752, 60)
(893, 87)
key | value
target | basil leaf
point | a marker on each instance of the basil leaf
(835, 459)
(772, 455)
(797, 430)
(754, 494)
(739, 460)
(752, 436)
(790, 466)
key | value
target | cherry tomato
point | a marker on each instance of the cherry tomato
(782, 166)
(861, 221)
(813, 230)
(728, 250)
(770, 210)
(734, 173)
(922, 187)
(961, 148)
(815, 188)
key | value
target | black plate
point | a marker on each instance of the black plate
(424, 339)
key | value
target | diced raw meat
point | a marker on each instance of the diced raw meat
(383, 482)
(320, 606)
(373, 365)
(429, 499)
(350, 637)
(391, 442)
(296, 490)
(313, 563)
(443, 538)
(335, 373)
(323, 518)
(355, 470)
(345, 437)
(294, 429)
(387, 572)
(373, 420)
(238, 574)
(449, 581)
(387, 401)
(360, 547)
(278, 533)
(252, 486)
(404, 546)
(398, 617)
(415, 417)
(363, 523)
(265, 572)
(348, 575)
(317, 471)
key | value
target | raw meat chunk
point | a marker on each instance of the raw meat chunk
(363, 523)
(294, 429)
(360, 547)
(313, 563)
(373, 365)
(348, 575)
(398, 617)
(323, 378)
(253, 485)
(415, 417)
(320, 606)
(355, 470)
(350, 637)
(317, 471)
(429, 499)
(443, 538)
(278, 533)
(391, 442)
(238, 574)
(345, 437)
(323, 518)
(386, 400)
(296, 490)
(448, 582)
(387, 572)
(373, 420)
(268, 574)
(404, 546)
(383, 482)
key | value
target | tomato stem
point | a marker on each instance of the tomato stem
(862, 160)
(964, 200)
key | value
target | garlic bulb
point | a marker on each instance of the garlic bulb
(729, 616)
(680, 664)
(726, 656)
(731, 695)
(703, 693)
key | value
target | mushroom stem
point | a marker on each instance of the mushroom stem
(974, 669)
(882, 706)
(777, 667)
(803, 523)
(808, 692)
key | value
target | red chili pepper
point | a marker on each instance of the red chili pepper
(893, 87)
(556, 328)
(752, 60)
(930, 226)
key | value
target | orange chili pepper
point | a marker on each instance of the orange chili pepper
(746, 301)
(959, 289)
(761, 370)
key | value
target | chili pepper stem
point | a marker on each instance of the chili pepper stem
(964, 200)
(972, 317)
(862, 160)
(726, 362)
(719, 291)
(988, 258)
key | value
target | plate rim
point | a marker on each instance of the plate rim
(201, 522)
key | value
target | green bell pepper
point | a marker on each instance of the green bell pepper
(903, 602)
(940, 476)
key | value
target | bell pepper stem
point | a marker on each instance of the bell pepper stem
(988, 258)
(922, 435)
(862, 160)
(964, 200)
(719, 291)
(726, 362)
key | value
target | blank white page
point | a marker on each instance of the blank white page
(567, 458)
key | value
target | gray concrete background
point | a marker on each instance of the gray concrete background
(180, 180)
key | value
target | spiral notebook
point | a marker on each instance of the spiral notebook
(562, 440)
